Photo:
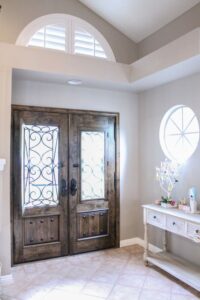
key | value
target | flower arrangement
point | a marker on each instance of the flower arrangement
(167, 176)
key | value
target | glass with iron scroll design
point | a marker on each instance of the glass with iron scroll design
(39, 165)
(92, 165)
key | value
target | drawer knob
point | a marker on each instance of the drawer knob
(154, 217)
(197, 230)
(174, 223)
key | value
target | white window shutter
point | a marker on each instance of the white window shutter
(86, 44)
(51, 37)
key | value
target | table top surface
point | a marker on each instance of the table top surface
(174, 212)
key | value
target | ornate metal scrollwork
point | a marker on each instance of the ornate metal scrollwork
(40, 165)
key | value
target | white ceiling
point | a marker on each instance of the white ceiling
(137, 19)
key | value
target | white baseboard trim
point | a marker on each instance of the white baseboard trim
(140, 242)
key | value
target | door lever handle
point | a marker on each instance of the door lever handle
(63, 190)
(73, 187)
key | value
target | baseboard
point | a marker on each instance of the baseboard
(140, 242)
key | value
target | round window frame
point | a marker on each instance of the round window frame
(162, 134)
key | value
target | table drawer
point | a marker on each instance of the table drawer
(175, 225)
(155, 218)
(193, 229)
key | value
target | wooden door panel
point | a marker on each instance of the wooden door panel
(40, 230)
(92, 224)
(40, 166)
(93, 211)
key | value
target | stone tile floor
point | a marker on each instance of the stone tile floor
(115, 274)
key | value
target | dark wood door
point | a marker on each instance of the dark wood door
(92, 194)
(40, 177)
(65, 189)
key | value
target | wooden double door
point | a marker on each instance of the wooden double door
(64, 171)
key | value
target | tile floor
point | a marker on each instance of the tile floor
(115, 274)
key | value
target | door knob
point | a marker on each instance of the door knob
(63, 188)
(73, 187)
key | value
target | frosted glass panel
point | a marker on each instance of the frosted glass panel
(92, 165)
(39, 165)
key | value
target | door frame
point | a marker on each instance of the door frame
(117, 158)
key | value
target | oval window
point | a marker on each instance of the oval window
(179, 133)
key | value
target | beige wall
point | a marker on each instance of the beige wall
(180, 26)
(16, 14)
(55, 95)
(152, 106)
(5, 124)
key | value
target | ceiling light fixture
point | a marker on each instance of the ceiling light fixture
(74, 82)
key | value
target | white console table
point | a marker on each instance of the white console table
(180, 223)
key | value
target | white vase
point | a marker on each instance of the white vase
(193, 206)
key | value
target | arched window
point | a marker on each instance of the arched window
(66, 33)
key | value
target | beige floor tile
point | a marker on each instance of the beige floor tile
(133, 280)
(73, 285)
(154, 295)
(57, 294)
(124, 293)
(63, 295)
(80, 272)
(107, 276)
(33, 293)
(158, 284)
(135, 269)
(97, 289)
(7, 298)
(113, 274)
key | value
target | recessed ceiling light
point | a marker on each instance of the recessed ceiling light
(74, 81)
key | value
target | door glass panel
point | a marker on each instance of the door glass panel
(92, 165)
(39, 165)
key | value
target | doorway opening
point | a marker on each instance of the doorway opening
(65, 188)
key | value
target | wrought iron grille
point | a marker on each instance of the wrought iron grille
(39, 165)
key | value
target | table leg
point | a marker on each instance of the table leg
(145, 244)
(165, 240)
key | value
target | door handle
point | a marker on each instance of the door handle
(73, 187)
(63, 190)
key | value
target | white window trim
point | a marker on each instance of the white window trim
(162, 136)
(69, 22)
